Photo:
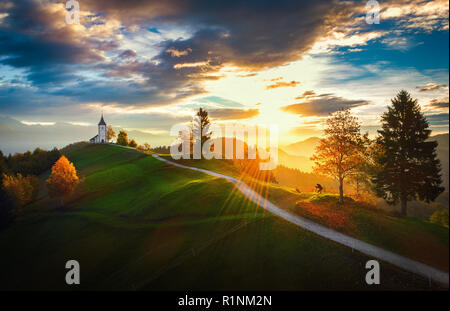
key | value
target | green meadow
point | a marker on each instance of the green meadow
(137, 223)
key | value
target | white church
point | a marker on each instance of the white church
(100, 138)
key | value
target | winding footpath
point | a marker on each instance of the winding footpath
(363, 247)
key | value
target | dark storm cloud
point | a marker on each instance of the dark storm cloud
(323, 105)
(29, 36)
(249, 34)
(232, 113)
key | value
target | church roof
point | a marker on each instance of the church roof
(102, 122)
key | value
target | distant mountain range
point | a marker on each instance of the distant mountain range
(18, 137)
(294, 161)
(297, 155)
(304, 148)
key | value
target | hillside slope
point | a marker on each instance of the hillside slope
(357, 219)
(137, 223)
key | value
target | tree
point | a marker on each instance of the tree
(32, 163)
(36, 186)
(339, 153)
(411, 169)
(122, 138)
(3, 164)
(132, 143)
(17, 188)
(200, 126)
(5, 200)
(63, 180)
(147, 147)
(360, 177)
(20, 189)
(110, 134)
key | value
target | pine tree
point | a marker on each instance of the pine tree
(410, 168)
(201, 125)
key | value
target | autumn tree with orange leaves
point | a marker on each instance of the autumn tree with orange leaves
(20, 189)
(110, 134)
(63, 179)
(340, 153)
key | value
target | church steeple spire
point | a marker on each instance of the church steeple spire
(102, 122)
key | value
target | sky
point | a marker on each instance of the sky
(148, 65)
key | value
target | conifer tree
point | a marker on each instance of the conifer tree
(410, 168)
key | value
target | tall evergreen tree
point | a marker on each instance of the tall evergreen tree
(410, 168)
(200, 131)
(201, 125)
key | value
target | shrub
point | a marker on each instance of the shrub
(328, 197)
(440, 217)
(132, 143)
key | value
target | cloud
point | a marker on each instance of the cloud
(104, 60)
(218, 101)
(417, 14)
(282, 84)
(176, 53)
(306, 94)
(34, 36)
(128, 54)
(233, 32)
(431, 87)
(233, 113)
(438, 119)
(438, 103)
(277, 79)
(322, 105)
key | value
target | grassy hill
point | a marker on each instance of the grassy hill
(358, 219)
(138, 223)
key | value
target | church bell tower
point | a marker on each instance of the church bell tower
(102, 130)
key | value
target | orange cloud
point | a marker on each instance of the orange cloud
(233, 113)
(282, 84)
(306, 94)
